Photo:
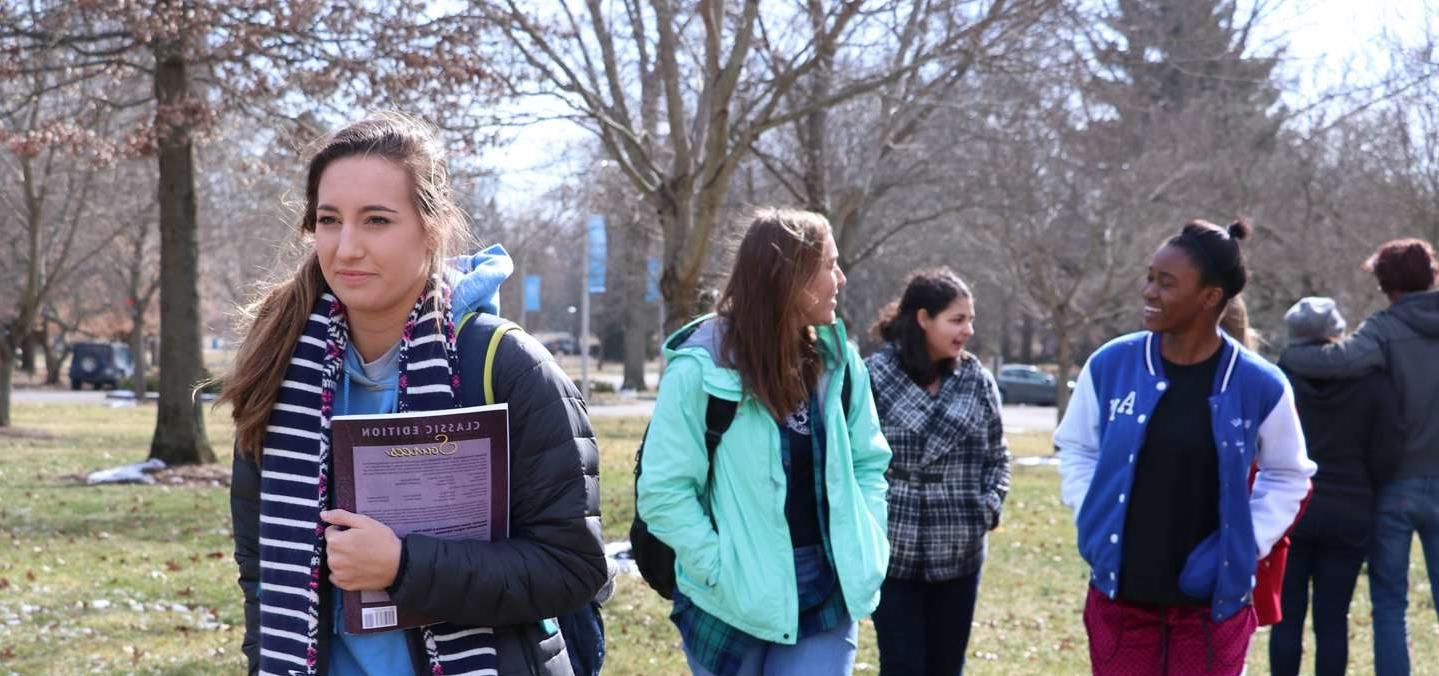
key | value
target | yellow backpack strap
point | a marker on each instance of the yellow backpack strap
(490, 351)
(464, 321)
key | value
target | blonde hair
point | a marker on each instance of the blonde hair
(274, 322)
(1235, 322)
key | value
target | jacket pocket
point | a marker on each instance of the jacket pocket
(1201, 569)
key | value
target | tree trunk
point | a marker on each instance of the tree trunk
(27, 354)
(683, 300)
(55, 353)
(680, 287)
(18, 332)
(7, 373)
(813, 129)
(636, 319)
(179, 423)
(1064, 354)
(138, 383)
(1006, 331)
(1026, 339)
(138, 302)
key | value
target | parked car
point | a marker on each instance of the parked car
(100, 364)
(1026, 384)
(561, 345)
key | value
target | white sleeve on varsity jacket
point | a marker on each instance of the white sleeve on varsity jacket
(1077, 442)
(1284, 471)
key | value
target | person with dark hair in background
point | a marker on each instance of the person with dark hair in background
(779, 537)
(940, 410)
(1155, 451)
(1402, 339)
(1352, 430)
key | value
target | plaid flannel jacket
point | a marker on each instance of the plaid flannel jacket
(950, 472)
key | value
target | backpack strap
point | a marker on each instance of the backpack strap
(719, 415)
(496, 328)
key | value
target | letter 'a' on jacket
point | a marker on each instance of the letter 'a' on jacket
(1254, 420)
(740, 567)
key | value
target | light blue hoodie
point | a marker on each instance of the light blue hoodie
(475, 280)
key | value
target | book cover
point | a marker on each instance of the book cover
(440, 473)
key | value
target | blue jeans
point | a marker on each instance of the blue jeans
(1404, 507)
(829, 653)
(1333, 569)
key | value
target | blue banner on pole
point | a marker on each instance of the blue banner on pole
(532, 293)
(595, 229)
(652, 279)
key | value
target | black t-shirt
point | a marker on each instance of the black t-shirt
(801, 504)
(1174, 502)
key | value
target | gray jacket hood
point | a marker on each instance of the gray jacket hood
(1420, 311)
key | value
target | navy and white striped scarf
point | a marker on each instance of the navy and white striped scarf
(295, 469)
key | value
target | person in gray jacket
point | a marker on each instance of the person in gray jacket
(1402, 339)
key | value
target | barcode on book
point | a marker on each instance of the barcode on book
(377, 618)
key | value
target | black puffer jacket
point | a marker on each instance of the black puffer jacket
(553, 562)
(1353, 430)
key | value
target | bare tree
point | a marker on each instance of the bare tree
(55, 169)
(885, 149)
(242, 56)
(723, 75)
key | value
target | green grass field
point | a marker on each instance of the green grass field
(139, 579)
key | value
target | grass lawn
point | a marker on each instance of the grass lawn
(139, 579)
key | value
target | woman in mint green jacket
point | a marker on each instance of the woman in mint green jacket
(781, 547)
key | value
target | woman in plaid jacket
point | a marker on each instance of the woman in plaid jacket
(939, 409)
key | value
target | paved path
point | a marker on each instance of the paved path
(1030, 419)
(1016, 418)
(38, 396)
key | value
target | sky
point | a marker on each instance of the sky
(1324, 39)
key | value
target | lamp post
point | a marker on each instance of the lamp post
(585, 317)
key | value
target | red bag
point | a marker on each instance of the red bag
(1269, 578)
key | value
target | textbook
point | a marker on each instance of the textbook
(440, 473)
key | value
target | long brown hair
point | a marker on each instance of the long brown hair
(766, 337)
(273, 323)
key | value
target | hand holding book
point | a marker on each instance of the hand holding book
(436, 474)
(364, 554)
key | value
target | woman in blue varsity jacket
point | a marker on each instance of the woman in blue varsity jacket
(939, 410)
(1155, 450)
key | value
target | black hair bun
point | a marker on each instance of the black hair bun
(1240, 229)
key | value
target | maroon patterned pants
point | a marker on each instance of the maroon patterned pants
(1139, 640)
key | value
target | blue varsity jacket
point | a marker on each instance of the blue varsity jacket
(1254, 420)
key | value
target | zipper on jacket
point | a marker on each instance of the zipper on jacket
(531, 648)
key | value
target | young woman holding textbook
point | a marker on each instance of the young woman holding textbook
(367, 324)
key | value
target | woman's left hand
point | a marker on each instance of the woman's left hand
(364, 555)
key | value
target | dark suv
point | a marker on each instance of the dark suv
(100, 364)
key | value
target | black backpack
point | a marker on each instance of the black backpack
(584, 629)
(654, 558)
